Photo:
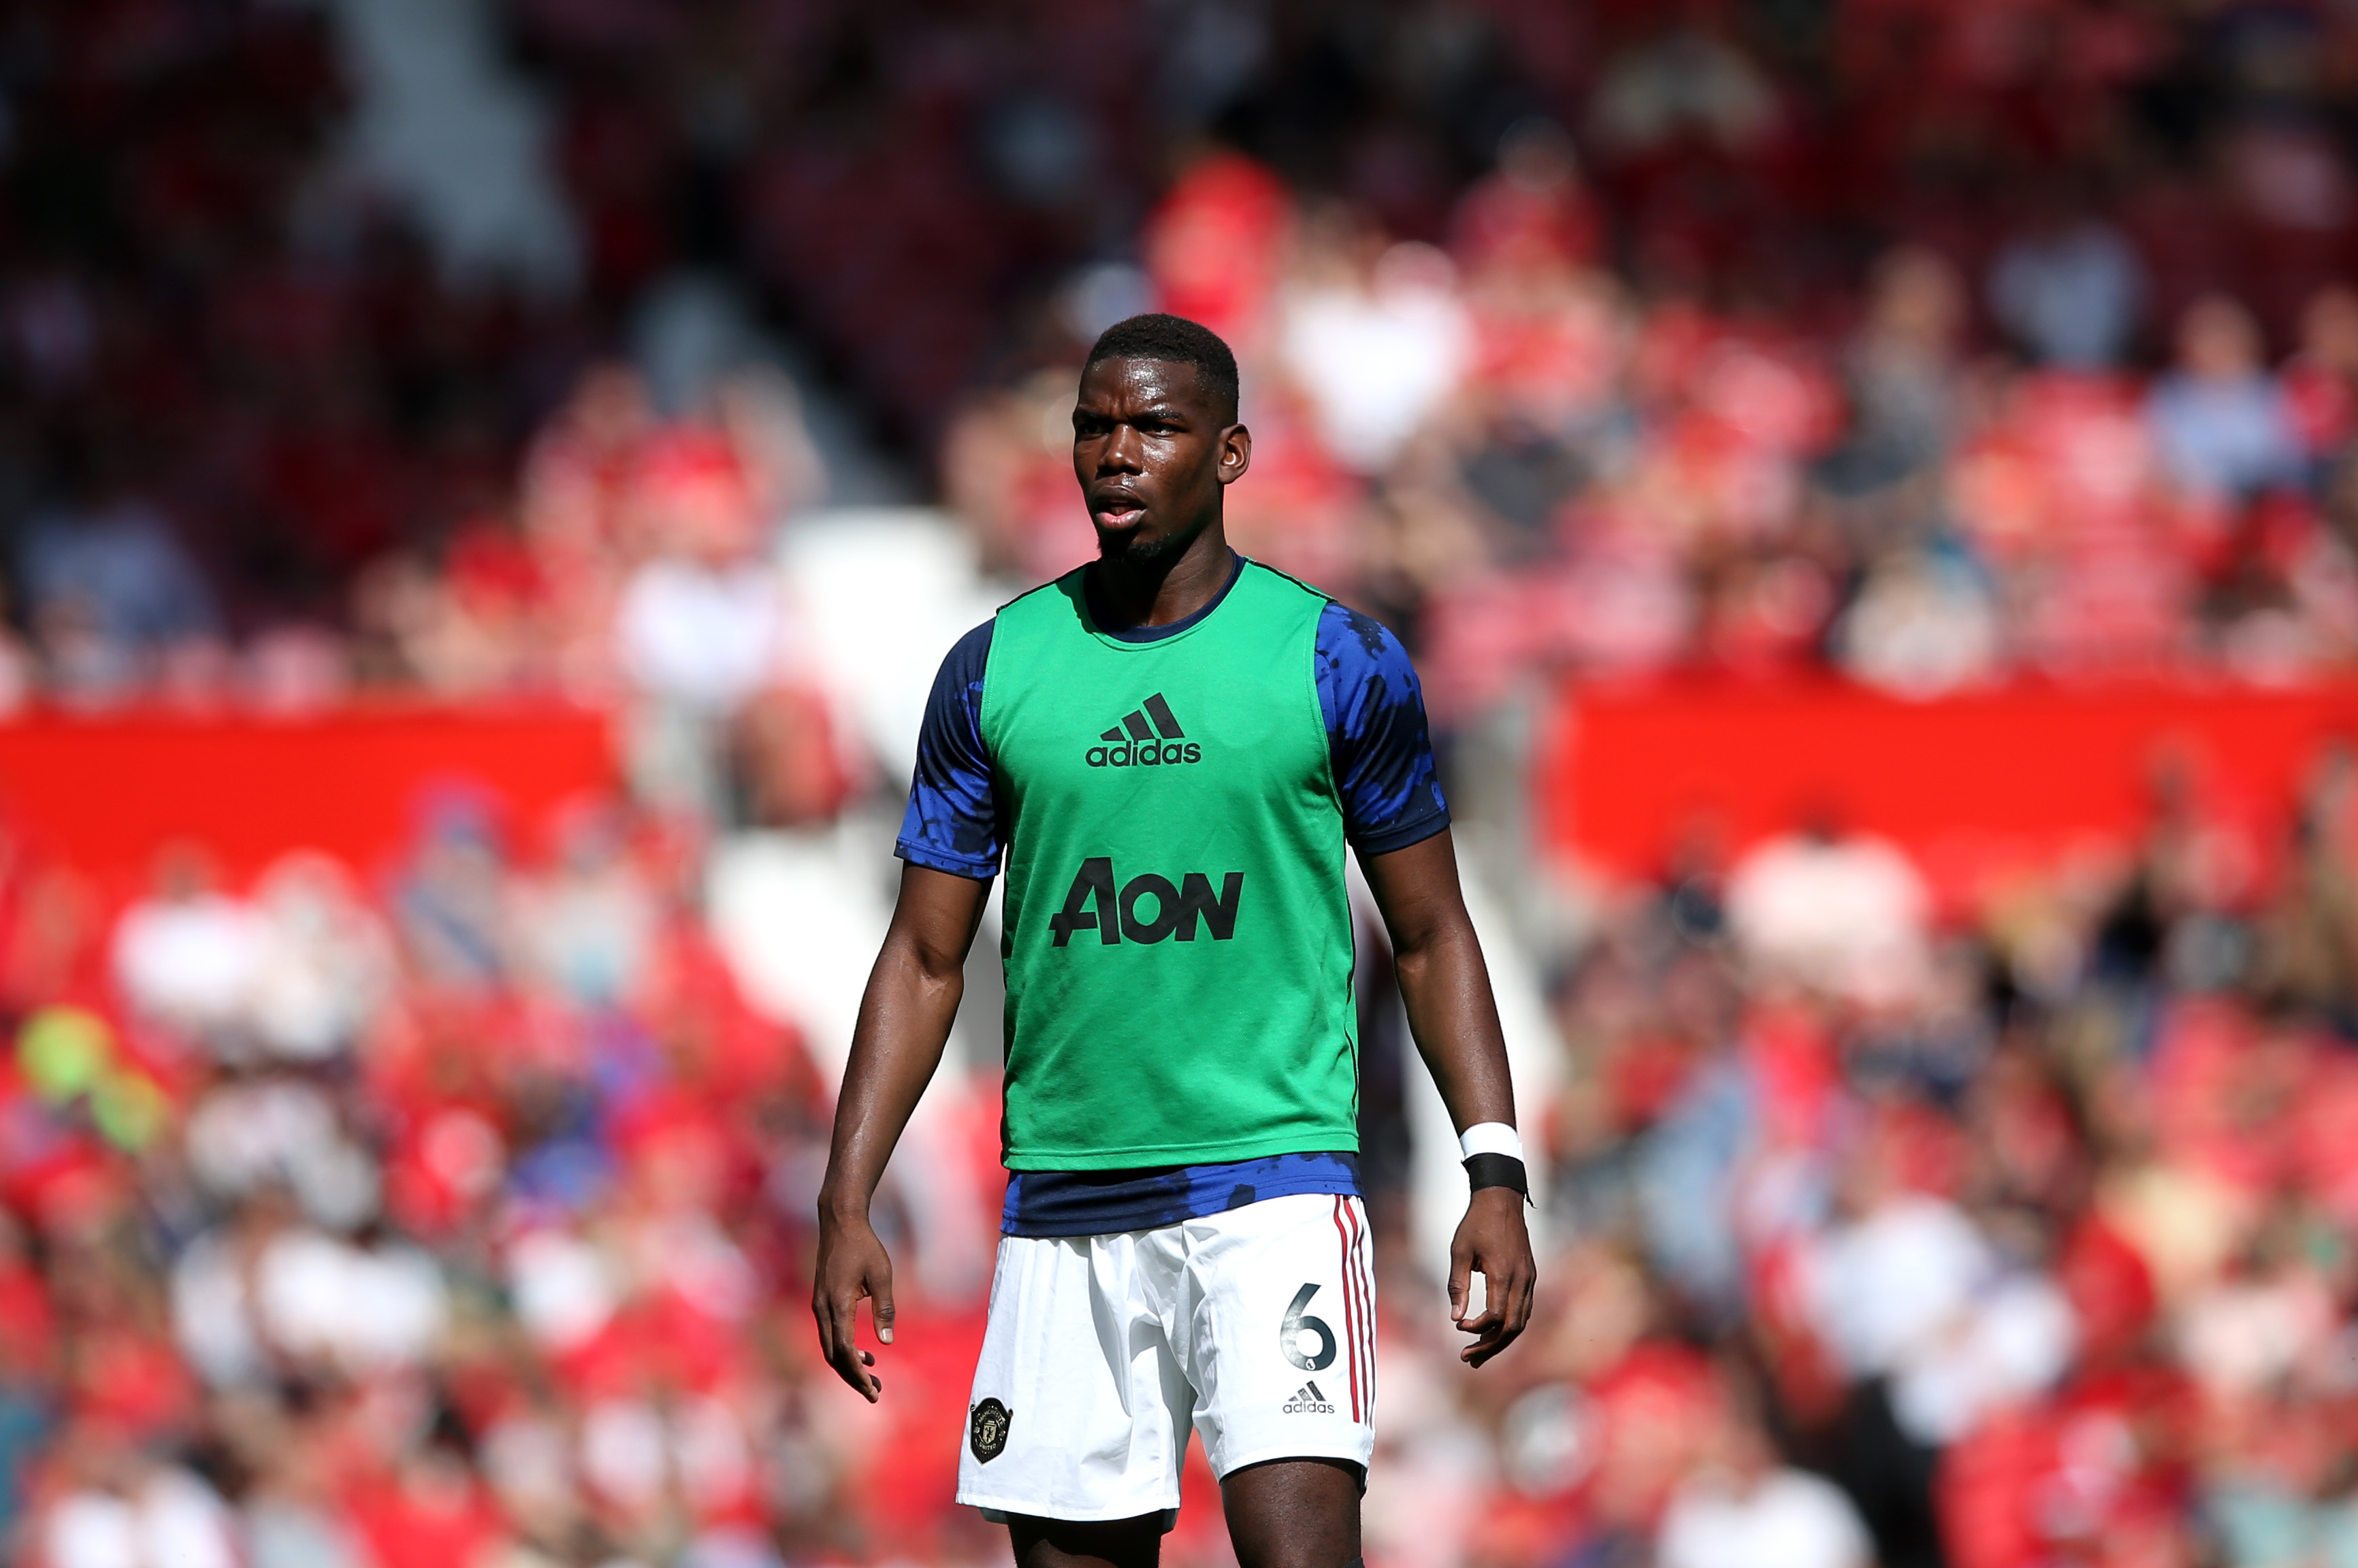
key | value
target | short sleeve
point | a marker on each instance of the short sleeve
(1376, 735)
(952, 823)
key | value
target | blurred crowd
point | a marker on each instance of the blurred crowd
(453, 1221)
(2008, 1233)
(1935, 345)
(1532, 466)
(464, 1217)
(458, 1215)
(233, 375)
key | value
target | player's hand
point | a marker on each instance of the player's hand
(852, 1263)
(1491, 1240)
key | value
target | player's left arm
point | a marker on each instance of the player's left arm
(1454, 1020)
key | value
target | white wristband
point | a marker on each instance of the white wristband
(1490, 1138)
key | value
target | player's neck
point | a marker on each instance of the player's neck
(1159, 593)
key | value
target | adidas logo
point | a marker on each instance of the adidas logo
(1148, 737)
(1307, 1400)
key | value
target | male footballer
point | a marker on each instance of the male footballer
(1169, 748)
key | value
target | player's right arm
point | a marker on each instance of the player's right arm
(904, 1019)
(950, 839)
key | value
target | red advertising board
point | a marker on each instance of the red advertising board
(107, 791)
(1970, 785)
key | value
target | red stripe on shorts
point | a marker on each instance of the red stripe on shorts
(1355, 1279)
(1350, 1325)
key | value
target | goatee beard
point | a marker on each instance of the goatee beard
(1125, 548)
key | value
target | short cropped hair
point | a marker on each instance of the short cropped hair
(1176, 341)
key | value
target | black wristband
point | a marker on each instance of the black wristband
(1496, 1171)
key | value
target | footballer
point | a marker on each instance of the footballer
(1168, 751)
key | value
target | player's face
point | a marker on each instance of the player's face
(1151, 451)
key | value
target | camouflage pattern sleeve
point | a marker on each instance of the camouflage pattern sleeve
(952, 823)
(1376, 733)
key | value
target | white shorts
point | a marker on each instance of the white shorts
(1256, 1327)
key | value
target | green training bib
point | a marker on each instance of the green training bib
(1178, 935)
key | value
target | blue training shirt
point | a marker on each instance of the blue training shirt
(1382, 757)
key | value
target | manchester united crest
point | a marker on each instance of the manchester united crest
(987, 1430)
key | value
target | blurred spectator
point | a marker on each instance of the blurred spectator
(2068, 287)
(1741, 1508)
(700, 627)
(589, 925)
(129, 1513)
(280, 1136)
(323, 966)
(291, 1518)
(322, 1304)
(1685, 80)
(2322, 381)
(1214, 246)
(451, 905)
(108, 590)
(1906, 382)
(1911, 1292)
(1924, 623)
(574, 509)
(1845, 914)
(1532, 213)
(1377, 340)
(187, 955)
(2219, 420)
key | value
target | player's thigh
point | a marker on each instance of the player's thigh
(1293, 1513)
(1085, 1543)
(1281, 1346)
